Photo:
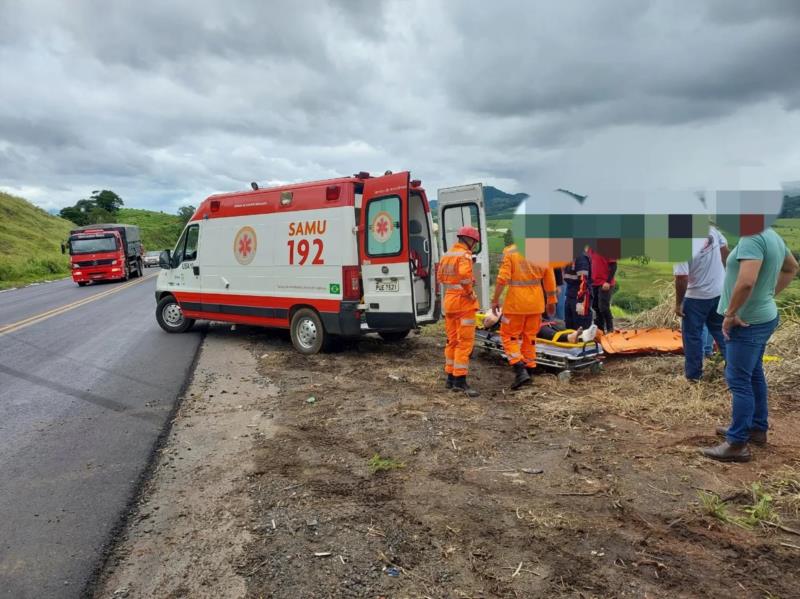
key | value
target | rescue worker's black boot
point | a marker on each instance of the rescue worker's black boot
(460, 384)
(531, 370)
(521, 376)
(448, 384)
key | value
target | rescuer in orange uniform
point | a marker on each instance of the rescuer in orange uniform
(531, 292)
(460, 305)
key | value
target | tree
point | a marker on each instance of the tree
(508, 237)
(107, 200)
(73, 214)
(185, 213)
(101, 207)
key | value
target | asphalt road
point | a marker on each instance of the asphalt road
(87, 382)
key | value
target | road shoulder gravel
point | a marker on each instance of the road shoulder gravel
(187, 533)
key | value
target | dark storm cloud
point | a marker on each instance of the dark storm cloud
(635, 63)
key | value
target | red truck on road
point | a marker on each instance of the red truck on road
(104, 252)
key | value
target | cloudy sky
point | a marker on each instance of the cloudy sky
(166, 102)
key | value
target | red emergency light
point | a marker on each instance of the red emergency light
(215, 205)
(415, 183)
(332, 192)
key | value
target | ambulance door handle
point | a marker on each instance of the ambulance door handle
(196, 270)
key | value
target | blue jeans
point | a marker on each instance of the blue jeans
(708, 343)
(699, 314)
(744, 373)
(562, 300)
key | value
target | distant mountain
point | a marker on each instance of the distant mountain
(791, 207)
(499, 204)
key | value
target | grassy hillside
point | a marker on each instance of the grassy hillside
(159, 230)
(30, 243)
(30, 239)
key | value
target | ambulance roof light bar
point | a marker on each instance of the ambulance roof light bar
(362, 175)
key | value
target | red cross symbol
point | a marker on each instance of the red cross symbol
(245, 245)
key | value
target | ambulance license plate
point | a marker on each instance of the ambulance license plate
(387, 286)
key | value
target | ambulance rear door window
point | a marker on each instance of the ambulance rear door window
(384, 234)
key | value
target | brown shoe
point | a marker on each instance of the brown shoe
(728, 452)
(757, 437)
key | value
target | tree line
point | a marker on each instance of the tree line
(103, 207)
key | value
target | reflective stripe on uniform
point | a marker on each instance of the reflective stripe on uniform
(448, 361)
(552, 293)
(466, 281)
(452, 286)
(466, 321)
(461, 366)
(570, 277)
(530, 283)
(456, 254)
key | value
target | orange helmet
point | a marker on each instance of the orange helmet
(471, 232)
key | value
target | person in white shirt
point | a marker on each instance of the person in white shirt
(698, 286)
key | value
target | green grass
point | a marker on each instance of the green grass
(789, 229)
(378, 464)
(159, 230)
(30, 239)
(30, 243)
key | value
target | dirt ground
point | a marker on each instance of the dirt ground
(271, 483)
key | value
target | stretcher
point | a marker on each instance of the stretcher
(564, 357)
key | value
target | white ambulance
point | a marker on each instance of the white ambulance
(325, 259)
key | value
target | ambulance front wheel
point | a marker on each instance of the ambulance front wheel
(308, 334)
(170, 316)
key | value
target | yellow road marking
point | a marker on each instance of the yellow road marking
(36, 318)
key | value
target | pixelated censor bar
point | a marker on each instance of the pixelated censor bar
(666, 226)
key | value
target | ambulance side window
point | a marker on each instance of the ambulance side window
(457, 216)
(384, 227)
(186, 248)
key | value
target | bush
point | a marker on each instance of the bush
(633, 303)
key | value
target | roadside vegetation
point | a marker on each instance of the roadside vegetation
(30, 238)
(30, 241)
(159, 230)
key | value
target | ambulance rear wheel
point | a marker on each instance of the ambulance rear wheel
(308, 334)
(394, 335)
(170, 316)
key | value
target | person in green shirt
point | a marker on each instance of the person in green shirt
(758, 269)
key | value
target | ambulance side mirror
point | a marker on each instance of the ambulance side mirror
(165, 259)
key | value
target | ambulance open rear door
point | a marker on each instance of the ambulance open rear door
(457, 207)
(384, 252)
